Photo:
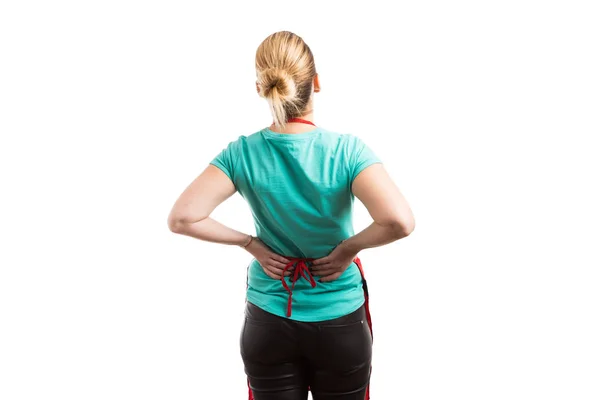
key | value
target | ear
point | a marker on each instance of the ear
(257, 88)
(316, 83)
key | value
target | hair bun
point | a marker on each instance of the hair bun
(274, 82)
(285, 70)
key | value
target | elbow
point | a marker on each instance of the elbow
(403, 229)
(180, 221)
(175, 225)
(176, 222)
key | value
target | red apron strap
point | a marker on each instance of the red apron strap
(366, 290)
(368, 312)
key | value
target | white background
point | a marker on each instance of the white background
(483, 112)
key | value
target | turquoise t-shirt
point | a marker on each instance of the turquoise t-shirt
(298, 187)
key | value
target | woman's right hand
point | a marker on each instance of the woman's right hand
(272, 263)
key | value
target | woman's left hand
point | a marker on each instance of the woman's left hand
(272, 263)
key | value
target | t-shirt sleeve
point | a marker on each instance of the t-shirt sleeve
(226, 159)
(361, 156)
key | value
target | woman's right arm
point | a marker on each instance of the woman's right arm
(392, 220)
(392, 217)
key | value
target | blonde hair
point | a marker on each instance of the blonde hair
(285, 69)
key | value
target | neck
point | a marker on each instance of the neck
(309, 116)
(297, 127)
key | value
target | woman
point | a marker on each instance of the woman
(306, 318)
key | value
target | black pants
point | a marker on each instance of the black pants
(283, 357)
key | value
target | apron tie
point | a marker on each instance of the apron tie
(301, 270)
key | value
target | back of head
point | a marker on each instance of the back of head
(285, 69)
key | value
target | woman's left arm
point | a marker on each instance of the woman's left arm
(190, 216)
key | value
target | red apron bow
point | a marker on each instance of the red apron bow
(300, 270)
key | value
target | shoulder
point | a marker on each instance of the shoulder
(341, 139)
(352, 141)
(242, 140)
(341, 136)
(248, 139)
(347, 141)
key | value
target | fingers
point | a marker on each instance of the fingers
(274, 269)
(279, 258)
(271, 274)
(322, 264)
(274, 272)
(320, 261)
(279, 271)
(321, 267)
(331, 277)
(277, 264)
(325, 271)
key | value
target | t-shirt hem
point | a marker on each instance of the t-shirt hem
(364, 165)
(303, 317)
(222, 168)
